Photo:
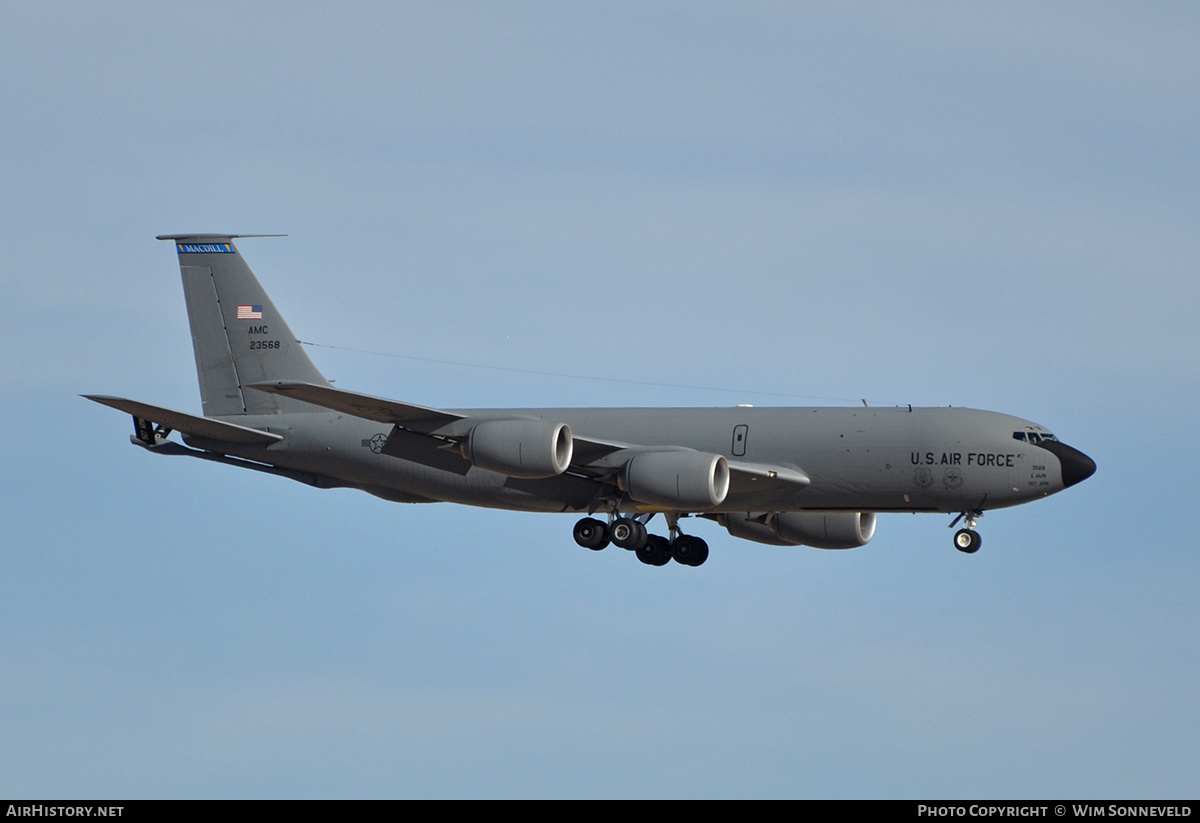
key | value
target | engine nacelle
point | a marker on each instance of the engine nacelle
(835, 530)
(677, 480)
(520, 448)
(754, 526)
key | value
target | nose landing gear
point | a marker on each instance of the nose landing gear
(967, 540)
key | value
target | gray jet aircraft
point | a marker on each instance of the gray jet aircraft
(782, 476)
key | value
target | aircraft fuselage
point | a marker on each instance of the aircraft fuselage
(869, 459)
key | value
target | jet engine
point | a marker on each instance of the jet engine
(840, 530)
(520, 448)
(678, 480)
(836, 530)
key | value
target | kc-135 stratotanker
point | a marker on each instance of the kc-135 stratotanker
(783, 476)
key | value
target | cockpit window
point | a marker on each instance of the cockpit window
(1034, 437)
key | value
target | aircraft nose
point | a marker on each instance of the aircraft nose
(1076, 466)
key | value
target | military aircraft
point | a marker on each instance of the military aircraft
(781, 476)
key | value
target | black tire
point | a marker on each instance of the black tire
(627, 533)
(656, 551)
(688, 550)
(642, 535)
(967, 541)
(591, 534)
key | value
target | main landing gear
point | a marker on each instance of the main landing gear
(651, 549)
(967, 540)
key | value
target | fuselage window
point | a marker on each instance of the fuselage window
(1019, 436)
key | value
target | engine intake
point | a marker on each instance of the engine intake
(520, 448)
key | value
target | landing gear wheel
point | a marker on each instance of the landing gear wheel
(967, 541)
(656, 551)
(688, 550)
(627, 533)
(591, 534)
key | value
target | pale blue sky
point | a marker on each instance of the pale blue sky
(989, 205)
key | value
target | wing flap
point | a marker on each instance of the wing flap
(426, 450)
(187, 423)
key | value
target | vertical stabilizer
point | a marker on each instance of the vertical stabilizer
(238, 335)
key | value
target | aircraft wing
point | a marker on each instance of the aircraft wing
(187, 423)
(358, 405)
(593, 458)
(599, 456)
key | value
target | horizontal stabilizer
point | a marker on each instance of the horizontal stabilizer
(187, 423)
(358, 405)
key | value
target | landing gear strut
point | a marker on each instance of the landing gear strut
(967, 540)
(685, 549)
